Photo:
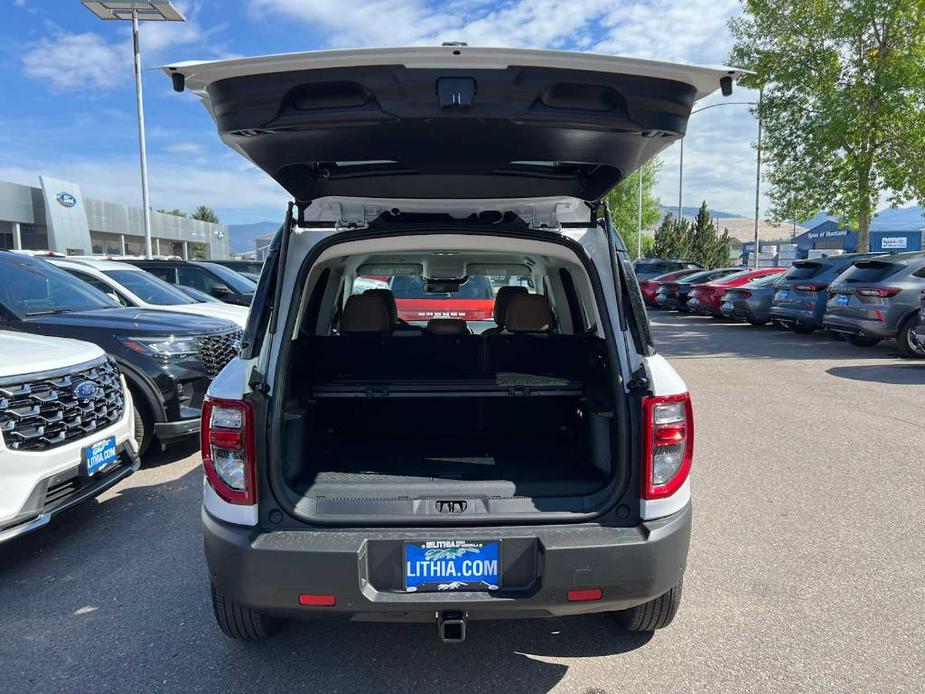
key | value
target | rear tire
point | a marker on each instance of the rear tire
(863, 340)
(803, 329)
(909, 344)
(655, 614)
(242, 623)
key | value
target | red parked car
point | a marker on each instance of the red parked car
(650, 287)
(473, 301)
(706, 298)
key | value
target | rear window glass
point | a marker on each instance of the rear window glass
(803, 271)
(870, 271)
(655, 268)
(764, 281)
(695, 277)
(414, 287)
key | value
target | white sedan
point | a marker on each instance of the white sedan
(132, 286)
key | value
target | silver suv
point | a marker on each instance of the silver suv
(878, 299)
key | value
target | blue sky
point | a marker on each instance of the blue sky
(68, 100)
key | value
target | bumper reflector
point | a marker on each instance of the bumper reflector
(317, 600)
(584, 595)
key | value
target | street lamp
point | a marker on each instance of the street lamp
(138, 11)
(758, 167)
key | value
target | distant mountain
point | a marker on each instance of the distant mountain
(241, 236)
(692, 212)
(899, 219)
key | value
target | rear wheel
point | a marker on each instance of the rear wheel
(803, 329)
(910, 344)
(863, 340)
(655, 614)
(239, 622)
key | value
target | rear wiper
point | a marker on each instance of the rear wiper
(50, 312)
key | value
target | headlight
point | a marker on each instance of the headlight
(163, 348)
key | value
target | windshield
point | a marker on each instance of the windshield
(148, 288)
(237, 282)
(198, 296)
(412, 287)
(34, 287)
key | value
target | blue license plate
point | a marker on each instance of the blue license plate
(99, 455)
(727, 306)
(451, 565)
(842, 300)
(783, 295)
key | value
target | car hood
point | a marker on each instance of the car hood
(136, 321)
(236, 314)
(21, 353)
(422, 122)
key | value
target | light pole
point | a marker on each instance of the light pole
(758, 173)
(138, 11)
(639, 219)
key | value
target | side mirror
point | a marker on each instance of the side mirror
(220, 292)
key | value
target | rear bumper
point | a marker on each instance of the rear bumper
(266, 571)
(796, 316)
(857, 326)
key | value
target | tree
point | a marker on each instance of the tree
(175, 212)
(705, 244)
(671, 238)
(624, 204)
(843, 104)
(205, 214)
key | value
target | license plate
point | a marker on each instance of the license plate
(99, 455)
(727, 306)
(783, 295)
(693, 301)
(660, 298)
(841, 300)
(452, 565)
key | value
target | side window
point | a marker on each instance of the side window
(164, 273)
(203, 281)
(920, 272)
(100, 285)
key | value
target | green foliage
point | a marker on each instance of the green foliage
(699, 241)
(205, 214)
(844, 102)
(624, 205)
(175, 212)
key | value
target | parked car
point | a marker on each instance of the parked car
(215, 280)
(358, 469)
(650, 287)
(801, 294)
(751, 302)
(66, 428)
(705, 298)
(674, 294)
(647, 268)
(132, 286)
(878, 299)
(168, 359)
(418, 300)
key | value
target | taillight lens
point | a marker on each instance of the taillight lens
(882, 292)
(744, 293)
(227, 440)
(810, 287)
(668, 444)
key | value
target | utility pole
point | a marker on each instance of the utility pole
(639, 219)
(758, 176)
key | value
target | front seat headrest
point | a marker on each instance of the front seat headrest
(389, 298)
(528, 313)
(447, 326)
(366, 313)
(503, 300)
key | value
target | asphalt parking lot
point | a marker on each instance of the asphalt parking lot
(805, 570)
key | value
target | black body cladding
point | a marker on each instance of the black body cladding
(390, 131)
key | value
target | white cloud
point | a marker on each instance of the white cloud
(77, 61)
(193, 148)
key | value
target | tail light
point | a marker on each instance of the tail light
(668, 444)
(812, 287)
(882, 292)
(743, 293)
(227, 438)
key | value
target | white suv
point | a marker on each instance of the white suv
(66, 424)
(374, 454)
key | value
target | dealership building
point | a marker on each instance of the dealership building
(885, 238)
(56, 217)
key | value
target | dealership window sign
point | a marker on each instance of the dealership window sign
(66, 199)
(894, 242)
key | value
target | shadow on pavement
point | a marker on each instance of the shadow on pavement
(701, 336)
(155, 456)
(898, 374)
(118, 591)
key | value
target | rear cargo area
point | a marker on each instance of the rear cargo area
(424, 415)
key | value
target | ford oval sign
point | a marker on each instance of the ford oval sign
(85, 390)
(66, 199)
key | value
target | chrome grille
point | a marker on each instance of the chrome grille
(217, 350)
(46, 411)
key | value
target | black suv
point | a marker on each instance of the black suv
(213, 279)
(168, 359)
(647, 268)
